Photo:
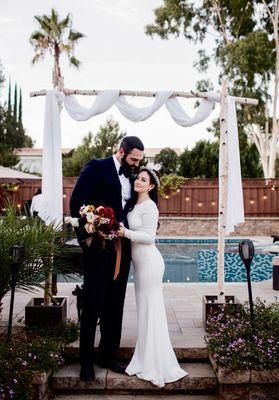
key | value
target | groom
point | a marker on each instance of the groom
(106, 182)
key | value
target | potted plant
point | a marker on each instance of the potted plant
(40, 244)
(246, 363)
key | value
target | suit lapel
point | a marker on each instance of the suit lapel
(115, 179)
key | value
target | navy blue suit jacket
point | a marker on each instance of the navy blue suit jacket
(97, 184)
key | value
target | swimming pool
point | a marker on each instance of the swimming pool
(195, 260)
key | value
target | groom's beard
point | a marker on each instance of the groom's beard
(129, 170)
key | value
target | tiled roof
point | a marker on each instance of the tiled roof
(15, 174)
(32, 151)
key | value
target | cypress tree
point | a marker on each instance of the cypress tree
(20, 108)
(9, 99)
(15, 104)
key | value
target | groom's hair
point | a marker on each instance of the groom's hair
(129, 143)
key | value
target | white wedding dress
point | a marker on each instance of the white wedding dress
(154, 359)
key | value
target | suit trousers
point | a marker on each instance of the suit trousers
(103, 298)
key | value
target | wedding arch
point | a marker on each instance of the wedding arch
(231, 209)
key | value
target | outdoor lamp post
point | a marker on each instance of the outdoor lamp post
(16, 254)
(246, 252)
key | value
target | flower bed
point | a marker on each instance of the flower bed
(28, 360)
(231, 344)
(246, 364)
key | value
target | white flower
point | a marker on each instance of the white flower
(73, 221)
(104, 220)
(90, 217)
(83, 210)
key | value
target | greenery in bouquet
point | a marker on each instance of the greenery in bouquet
(231, 342)
(32, 351)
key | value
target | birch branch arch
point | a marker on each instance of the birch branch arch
(230, 186)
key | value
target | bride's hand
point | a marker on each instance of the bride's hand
(121, 231)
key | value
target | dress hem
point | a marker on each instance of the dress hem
(157, 384)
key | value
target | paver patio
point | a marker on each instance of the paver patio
(183, 303)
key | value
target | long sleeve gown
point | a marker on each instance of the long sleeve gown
(154, 359)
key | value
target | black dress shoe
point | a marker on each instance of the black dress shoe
(87, 372)
(114, 366)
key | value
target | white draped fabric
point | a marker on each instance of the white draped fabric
(235, 207)
(52, 164)
(52, 185)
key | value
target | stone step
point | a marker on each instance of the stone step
(200, 379)
(183, 352)
(132, 397)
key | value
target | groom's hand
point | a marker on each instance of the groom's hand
(121, 231)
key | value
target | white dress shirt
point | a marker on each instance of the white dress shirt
(125, 183)
(36, 204)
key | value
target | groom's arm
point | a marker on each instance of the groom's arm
(85, 191)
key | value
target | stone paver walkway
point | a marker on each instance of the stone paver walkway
(183, 303)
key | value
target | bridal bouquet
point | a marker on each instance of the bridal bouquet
(101, 220)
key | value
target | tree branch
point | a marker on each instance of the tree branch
(269, 12)
(223, 28)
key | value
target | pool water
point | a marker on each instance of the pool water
(195, 260)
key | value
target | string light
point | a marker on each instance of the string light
(64, 196)
(18, 205)
(210, 202)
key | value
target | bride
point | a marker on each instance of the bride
(154, 359)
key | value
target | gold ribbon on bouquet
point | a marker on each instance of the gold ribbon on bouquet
(118, 249)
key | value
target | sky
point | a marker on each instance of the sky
(115, 54)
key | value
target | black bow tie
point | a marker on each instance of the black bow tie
(127, 173)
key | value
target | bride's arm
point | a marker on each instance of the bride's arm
(147, 234)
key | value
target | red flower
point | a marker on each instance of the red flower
(108, 212)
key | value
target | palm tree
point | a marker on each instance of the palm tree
(57, 37)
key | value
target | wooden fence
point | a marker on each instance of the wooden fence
(197, 197)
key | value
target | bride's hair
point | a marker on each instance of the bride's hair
(153, 194)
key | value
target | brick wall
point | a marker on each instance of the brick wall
(180, 226)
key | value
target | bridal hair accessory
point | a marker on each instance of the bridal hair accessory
(153, 173)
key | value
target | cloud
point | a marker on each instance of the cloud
(126, 10)
(5, 20)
